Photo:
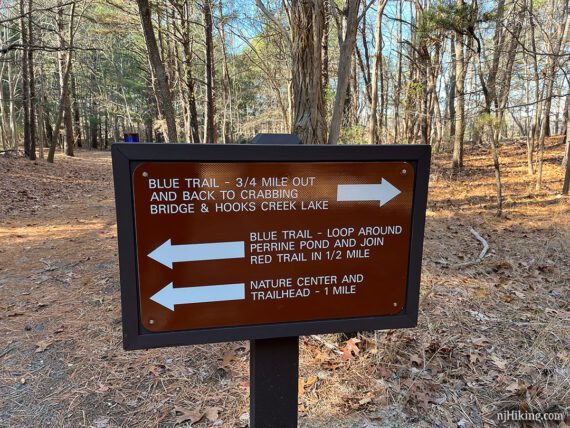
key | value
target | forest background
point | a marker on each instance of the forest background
(445, 73)
(485, 83)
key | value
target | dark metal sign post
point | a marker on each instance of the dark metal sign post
(273, 382)
(267, 242)
(273, 394)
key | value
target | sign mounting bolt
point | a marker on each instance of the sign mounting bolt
(151, 322)
(395, 304)
(404, 171)
(145, 174)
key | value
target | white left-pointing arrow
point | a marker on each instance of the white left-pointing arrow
(382, 192)
(170, 296)
(168, 253)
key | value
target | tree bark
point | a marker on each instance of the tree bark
(76, 114)
(325, 43)
(32, 84)
(344, 64)
(460, 68)
(210, 107)
(59, 117)
(559, 45)
(566, 132)
(398, 89)
(163, 88)
(373, 135)
(67, 115)
(25, 79)
(227, 130)
(307, 34)
(566, 184)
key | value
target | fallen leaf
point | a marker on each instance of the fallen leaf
(474, 357)
(350, 350)
(157, 370)
(311, 380)
(228, 358)
(42, 345)
(417, 359)
(518, 387)
(187, 415)
(502, 364)
(321, 357)
(212, 413)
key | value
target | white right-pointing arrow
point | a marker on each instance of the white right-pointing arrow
(167, 254)
(382, 192)
(170, 296)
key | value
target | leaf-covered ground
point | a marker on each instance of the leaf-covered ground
(493, 334)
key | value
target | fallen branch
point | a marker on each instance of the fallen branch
(326, 344)
(483, 251)
(482, 241)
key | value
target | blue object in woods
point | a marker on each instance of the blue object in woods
(132, 137)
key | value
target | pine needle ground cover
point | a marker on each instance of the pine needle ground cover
(493, 331)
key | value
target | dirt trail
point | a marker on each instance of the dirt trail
(493, 334)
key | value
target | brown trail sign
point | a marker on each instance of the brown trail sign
(222, 243)
(266, 243)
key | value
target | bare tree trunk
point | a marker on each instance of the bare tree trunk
(325, 43)
(3, 124)
(226, 82)
(460, 68)
(566, 184)
(566, 130)
(210, 107)
(32, 86)
(41, 116)
(187, 45)
(163, 88)
(450, 111)
(76, 114)
(373, 135)
(398, 89)
(64, 92)
(558, 45)
(364, 60)
(344, 63)
(537, 95)
(25, 79)
(59, 117)
(307, 95)
(12, 112)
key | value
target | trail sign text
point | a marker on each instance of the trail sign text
(270, 242)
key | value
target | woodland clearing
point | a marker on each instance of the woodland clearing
(493, 333)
